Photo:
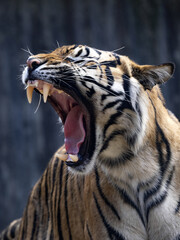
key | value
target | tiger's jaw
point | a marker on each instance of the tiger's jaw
(77, 119)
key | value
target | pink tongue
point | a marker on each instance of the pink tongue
(74, 130)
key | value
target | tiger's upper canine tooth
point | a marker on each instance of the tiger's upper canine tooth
(29, 92)
(74, 158)
(46, 89)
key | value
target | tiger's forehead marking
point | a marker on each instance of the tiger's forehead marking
(80, 51)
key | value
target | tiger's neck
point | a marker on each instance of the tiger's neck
(155, 152)
(144, 178)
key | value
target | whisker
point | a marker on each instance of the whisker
(118, 49)
(57, 43)
(27, 51)
(40, 97)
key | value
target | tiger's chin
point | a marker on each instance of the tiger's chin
(79, 139)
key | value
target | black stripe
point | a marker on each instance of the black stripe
(117, 58)
(89, 233)
(98, 52)
(111, 104)
(66, 204)
(109, 76)
(111, 137)
(106, 201)
(55, 203)
(101, 75)
(161, 198)
(34, 225)
(59, 203)
(164, 163)
(46, 191)
(120, 160)
(71, 190)
(5, 235)
(56, 63)
(93, 66)
(111, 63)
(51, 234)
(78, 53)
(168, 182)
(87, 52)
(126, 85)
(83, 181)
(157, 187)
(71, 48)
(150, 192)
(111, 121)
(78, 61)
(110, 91)
(156, 203)
(25, 221)
(131, 140)
(35, 216)
(105, 96)
(39, 190)
(54, 170)
(13, 230)
(126, 198)
(178, 207)
(90, 92)
(138, 109)
(65, 72)
(79, 185)
(160, 139)
(112, 233)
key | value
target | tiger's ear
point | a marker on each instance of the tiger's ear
(149, 75)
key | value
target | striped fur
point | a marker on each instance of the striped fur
(128, 188)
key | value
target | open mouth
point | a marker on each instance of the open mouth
(75, 118)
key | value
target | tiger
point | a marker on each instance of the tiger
(117, 176)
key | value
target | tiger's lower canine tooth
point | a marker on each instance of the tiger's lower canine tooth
(63, 150)
(46, 89)
(62, 157)
(29, 92)
(74, 158)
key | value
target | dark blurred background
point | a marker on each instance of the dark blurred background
(148, 31)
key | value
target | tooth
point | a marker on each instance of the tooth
(74, 158)
(62, 157)
(46, 89)
(64, 150)
(59, 91)
(29, 92)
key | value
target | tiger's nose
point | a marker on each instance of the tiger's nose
(33, 63)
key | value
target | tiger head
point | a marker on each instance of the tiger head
(102, 99)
